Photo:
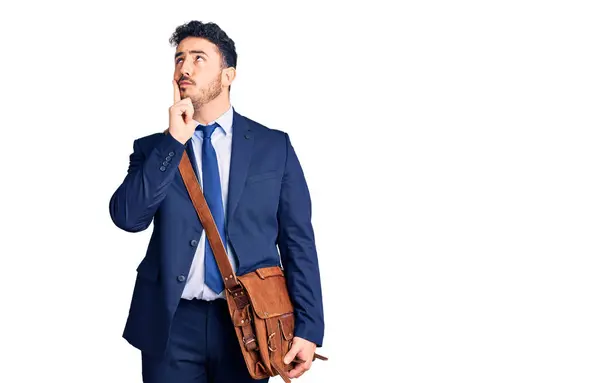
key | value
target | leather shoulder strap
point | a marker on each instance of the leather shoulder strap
(212, 233)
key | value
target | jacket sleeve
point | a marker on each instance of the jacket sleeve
(296, 244)
(134, 203)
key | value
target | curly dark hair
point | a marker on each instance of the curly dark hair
(211, 32)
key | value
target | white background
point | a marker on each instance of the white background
(451, 149)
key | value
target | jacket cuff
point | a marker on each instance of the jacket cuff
(167, 154)
(312, 333)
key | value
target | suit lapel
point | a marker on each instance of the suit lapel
(241, 152)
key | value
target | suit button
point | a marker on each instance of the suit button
(193, 242)
(165, 163)
(167, 159)
(171, 154)
(181, 278)
(162, 168)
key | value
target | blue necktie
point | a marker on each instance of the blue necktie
(211, 185)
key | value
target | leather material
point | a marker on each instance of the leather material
(259, 303)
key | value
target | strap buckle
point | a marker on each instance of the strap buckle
(236, 290)
(250, 343)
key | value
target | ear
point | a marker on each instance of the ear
(227, 76)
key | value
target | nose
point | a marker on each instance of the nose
(186, 68)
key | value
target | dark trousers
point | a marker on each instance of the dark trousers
(202, 348)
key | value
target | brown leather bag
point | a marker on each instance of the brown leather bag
(259, 303)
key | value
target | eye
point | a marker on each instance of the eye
(197, 57)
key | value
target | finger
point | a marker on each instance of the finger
(306, 365)
(187, 109)
(297, 371)
(184, 103)
(189, 114)
(176, 92)
(182, 108)
(187, 101)
(292, 353)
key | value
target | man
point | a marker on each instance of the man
(256, 190)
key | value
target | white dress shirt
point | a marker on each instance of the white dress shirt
(221, 140)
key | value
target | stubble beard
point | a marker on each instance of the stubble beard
(212, 91)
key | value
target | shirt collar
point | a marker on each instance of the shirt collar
(225, 121)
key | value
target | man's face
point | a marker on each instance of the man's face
(198, 70)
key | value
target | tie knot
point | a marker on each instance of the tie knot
(207, 130)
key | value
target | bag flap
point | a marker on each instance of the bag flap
(268, 292)
(266, 272)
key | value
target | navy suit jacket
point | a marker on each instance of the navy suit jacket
(269, 209)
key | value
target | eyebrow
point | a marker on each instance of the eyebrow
(181, 53)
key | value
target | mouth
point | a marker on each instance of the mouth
(185, 83)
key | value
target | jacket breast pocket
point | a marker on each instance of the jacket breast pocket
(261, 176)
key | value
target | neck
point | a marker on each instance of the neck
(211, 111)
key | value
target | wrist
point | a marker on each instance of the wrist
(181, 140)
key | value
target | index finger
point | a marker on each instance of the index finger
(176, 92)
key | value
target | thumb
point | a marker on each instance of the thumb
(292, 353)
